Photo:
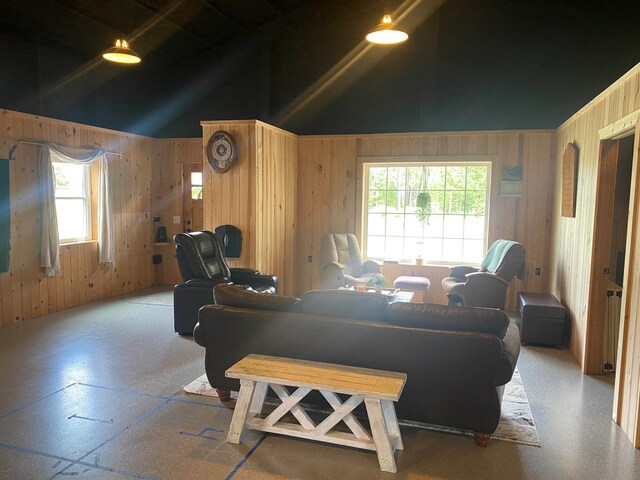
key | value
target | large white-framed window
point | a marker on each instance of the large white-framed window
(436, 211)
(73, 201)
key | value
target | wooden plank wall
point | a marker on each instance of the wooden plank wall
(328, 182)
(572, 241)
(276, 180)
(25, 292)
(166, 199)
(257, 195)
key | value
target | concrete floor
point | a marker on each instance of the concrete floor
(95, 392)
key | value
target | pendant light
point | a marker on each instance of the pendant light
(121, 53)
(385, 34)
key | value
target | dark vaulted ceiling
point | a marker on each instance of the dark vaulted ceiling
(303, 65)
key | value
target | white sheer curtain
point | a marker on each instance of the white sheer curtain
(50, 242)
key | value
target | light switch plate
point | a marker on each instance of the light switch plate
(176, 220)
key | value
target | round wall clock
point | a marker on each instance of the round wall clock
(221, 151)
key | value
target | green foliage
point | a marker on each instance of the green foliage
(423, 206)
(62, 182)
(375, 281)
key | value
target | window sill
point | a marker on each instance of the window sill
(76, 242)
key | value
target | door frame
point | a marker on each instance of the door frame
(626, 411)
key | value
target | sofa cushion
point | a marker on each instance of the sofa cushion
(244, 296)
(447, 317)
(345, 303)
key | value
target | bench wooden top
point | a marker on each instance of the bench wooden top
(320, 376)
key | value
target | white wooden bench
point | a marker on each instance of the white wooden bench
(378, 389)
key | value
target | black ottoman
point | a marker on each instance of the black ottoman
(543, 318)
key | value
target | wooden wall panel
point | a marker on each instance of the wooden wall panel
(25, 292)
(329, 182)
(230, 198)
(258, 195)
(572, 240)
(276, 169)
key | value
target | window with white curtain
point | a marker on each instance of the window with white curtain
(73, 201)
(436, 211)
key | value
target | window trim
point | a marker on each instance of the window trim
(364, 162)
(88, 202)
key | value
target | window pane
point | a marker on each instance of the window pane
(477, 178)
(72, 221)
(433, 249)
(456, 178)
(454, 203)
(377, 201)
(453, 226)
(433, 228)
(412, 226)
(475, 203)
(395, 225)
(472, 251)
(474, 227)
(393, 247)
(414, 178)
(196, 178)
(69, 179)
(378, 178)
(437, 201)
(413, 247)
(375, 247)
(396, 178)
(376, 224)
(435, 180)
(196, 193)
(452, 250)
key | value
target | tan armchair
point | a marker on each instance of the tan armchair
(486, 286)
(341, 262)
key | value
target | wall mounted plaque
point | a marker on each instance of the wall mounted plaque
(569, 180)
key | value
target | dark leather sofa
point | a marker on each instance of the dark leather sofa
(457, 359)
(203, 266)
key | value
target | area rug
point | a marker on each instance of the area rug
(159, 298)
(516, 421)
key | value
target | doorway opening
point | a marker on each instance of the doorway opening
(611, 225)
(192, 189)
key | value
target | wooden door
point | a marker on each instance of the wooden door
(192, 197)
(602, 232)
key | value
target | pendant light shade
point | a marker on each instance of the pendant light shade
(121, 53)
(385, 34)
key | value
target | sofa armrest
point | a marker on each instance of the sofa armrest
(244, 271)
(371, 266)
(484, 276)
(510, 354)
(461, 271)
(334, 265)
(204, 282)
(255, 280)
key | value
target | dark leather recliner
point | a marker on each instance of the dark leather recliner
(202, 267)
(486, 286)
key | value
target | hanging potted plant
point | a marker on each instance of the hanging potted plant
(423, 206)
